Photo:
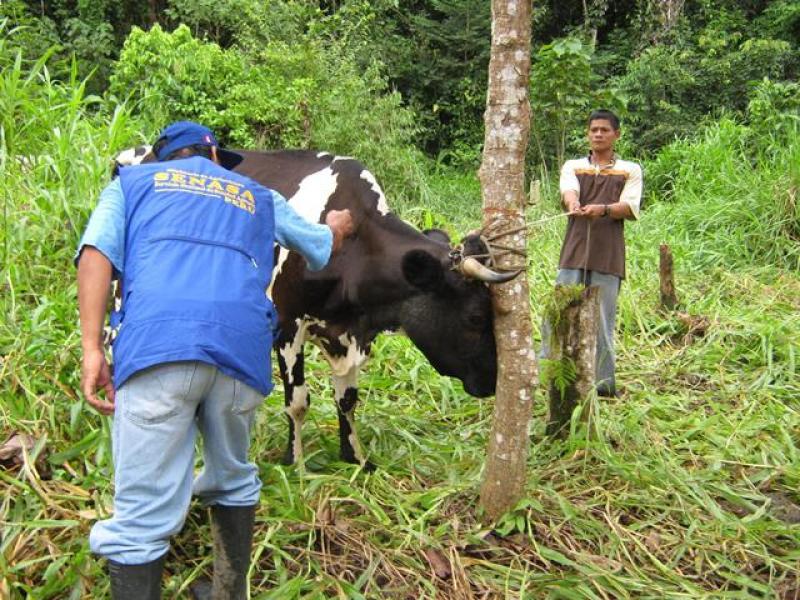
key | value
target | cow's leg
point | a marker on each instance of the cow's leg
(346, 391)
(290, 361)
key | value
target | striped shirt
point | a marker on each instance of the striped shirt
(599, 244)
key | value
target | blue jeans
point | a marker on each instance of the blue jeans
(609, 290)
(157, 416)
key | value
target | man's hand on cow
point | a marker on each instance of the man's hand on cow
(95, 375)
(341, 224)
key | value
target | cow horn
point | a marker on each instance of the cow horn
(472, 268)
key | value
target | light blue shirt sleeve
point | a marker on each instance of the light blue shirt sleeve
(313, 241)
(106, 228)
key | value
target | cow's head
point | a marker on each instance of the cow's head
(451, 320)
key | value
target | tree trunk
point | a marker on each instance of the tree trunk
(669, 298)
(502, 176)
(669, 12)
(573, 348)
(152, 11)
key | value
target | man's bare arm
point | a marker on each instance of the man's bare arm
(620, 210)
(94, 283)
(570, 201)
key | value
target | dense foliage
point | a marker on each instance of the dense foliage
(666, 66)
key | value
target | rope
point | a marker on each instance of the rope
(586, 257)
(489, 236)
(548, 219)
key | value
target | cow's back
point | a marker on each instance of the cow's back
(283, 170)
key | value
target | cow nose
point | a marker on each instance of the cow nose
(479, 388)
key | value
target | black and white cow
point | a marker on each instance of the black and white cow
(386, 276)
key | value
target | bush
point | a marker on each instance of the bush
(353, 119)
(773, 111)
(82, 34)
(661, 89)
(173, 76)
(781, 20)
(673, 89)
(735, 198)
(298, 95)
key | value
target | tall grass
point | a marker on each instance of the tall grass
(690, 490)
(54, 157)
(735, 194)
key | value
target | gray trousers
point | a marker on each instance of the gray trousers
(609, 290)
(159, 412)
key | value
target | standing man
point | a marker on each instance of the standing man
(599, 192)
(192, 244)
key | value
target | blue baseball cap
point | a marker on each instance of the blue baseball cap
(187, 133)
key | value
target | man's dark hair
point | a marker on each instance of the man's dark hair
(604, 114)
(185, 152)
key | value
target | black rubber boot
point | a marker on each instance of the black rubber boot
(232, 529)
(607, 390)
(136, 582)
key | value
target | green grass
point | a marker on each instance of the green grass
(690, 490)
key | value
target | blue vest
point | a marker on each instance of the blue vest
(198, 260)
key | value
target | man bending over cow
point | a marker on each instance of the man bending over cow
(192, 243)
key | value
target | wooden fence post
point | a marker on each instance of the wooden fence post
(669, 298)
(534, 192)
(573, 350)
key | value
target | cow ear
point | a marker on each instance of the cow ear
(473, 245)
(423, 270)
(439, 235)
